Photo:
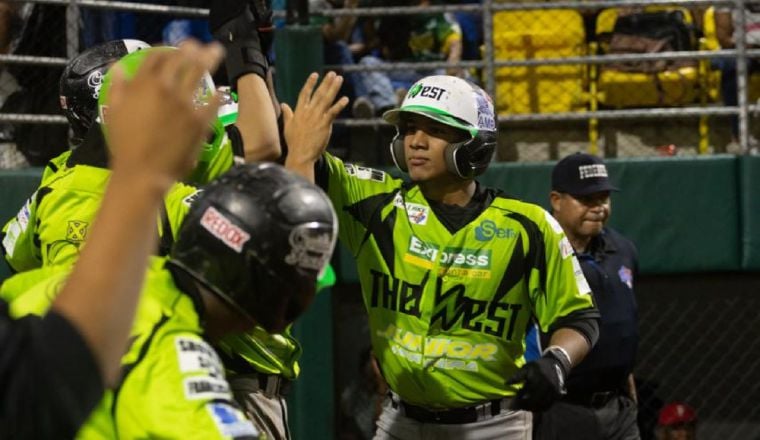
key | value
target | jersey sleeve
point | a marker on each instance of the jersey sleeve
(560, 288)
(179, 391)
(358, 194)
(21, 250)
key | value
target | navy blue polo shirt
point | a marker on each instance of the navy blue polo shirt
(610, 266)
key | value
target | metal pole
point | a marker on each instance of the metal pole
(72, 29)
(741, 74)
(489, 73)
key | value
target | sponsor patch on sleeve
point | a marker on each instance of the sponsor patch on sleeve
(580, 279)
(231, 422)
(203, 368)
(565, 248)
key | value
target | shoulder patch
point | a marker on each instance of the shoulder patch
(230, 421)
(198, 361)
(76, 231)
(364, 173)
(580, 279)
(565, 248)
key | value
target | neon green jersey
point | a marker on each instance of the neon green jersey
(54, 165)
(53, 223)
(448, 311)
(173, 383)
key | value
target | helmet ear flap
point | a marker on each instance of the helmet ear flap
(397, 152)
(457, 159)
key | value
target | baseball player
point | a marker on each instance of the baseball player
(54, 367)
(451, 272)
(249, 253)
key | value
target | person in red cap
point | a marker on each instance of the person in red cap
(677, 421)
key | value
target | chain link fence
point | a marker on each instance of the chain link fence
(551, 67)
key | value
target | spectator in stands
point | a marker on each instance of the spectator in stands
(338, 36)
(724, 28)
(430, 37)
(677, 421)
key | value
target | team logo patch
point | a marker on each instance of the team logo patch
(77, 230)
(418, 214)
(222, 228)
(626, 276)
(310, 247)
(230, 422)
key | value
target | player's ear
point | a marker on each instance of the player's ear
(554, 200)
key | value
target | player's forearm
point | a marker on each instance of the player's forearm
(102, 292)
(573, 342)
(257, 121)
(304, 167)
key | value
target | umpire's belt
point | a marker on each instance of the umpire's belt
(453, 416)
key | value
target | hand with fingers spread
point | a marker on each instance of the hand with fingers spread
(165, 141)
(308, 127)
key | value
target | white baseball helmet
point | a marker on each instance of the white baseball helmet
(457, 103)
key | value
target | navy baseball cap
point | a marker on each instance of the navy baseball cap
(581, 174)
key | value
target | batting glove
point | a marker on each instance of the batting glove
(234, 24)
(543, 381)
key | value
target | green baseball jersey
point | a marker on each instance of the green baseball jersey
(53, 223)
(172, 384)
(448, 311)
(54, 165)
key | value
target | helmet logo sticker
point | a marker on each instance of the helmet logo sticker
(486, 120)
(309, 249)
(94, 81)
(414, 91)
(222, 228)
(424, 91)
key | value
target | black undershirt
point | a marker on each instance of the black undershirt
(455, 217)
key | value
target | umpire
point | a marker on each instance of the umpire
(601, 397)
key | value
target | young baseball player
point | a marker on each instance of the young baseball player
(451, 272)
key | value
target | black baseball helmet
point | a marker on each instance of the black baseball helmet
(80, 82)
(259, 237)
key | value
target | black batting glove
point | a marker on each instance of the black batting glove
(234, 24)
(543, 381)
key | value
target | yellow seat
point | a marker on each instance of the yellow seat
(630, 89)
(540, 34)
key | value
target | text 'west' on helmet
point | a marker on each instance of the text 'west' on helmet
(457, 103)
(259, 237)
(81, 81)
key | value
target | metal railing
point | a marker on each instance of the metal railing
(487, 65)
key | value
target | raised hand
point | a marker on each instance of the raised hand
(308, 127)
(162, 144)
